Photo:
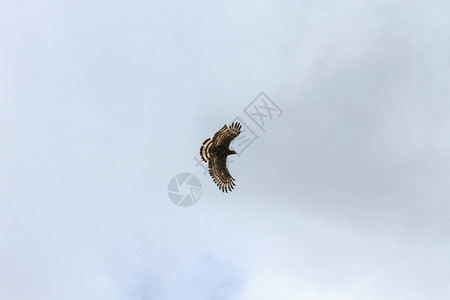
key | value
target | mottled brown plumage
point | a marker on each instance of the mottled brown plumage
(215, 153)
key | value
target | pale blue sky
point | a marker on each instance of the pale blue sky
(345, 196)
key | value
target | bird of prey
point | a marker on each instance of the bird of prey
(215, 153)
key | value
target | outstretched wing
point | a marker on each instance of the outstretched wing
(220, 174)
(226, 134)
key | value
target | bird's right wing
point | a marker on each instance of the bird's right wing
(226, 134)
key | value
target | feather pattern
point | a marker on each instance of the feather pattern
(215, 153)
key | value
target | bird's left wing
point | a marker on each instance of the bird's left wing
(220, 174)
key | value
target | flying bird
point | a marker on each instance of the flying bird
(215, 153)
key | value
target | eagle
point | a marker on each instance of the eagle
(215, 153)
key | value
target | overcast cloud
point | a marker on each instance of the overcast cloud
(346, 195)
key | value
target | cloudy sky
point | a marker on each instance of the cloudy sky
(345, 195)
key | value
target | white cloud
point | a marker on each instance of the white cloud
(343, 197)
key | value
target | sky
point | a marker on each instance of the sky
(343, 194)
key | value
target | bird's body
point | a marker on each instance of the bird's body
(215, 153)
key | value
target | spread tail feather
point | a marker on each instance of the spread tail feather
(204, 150)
